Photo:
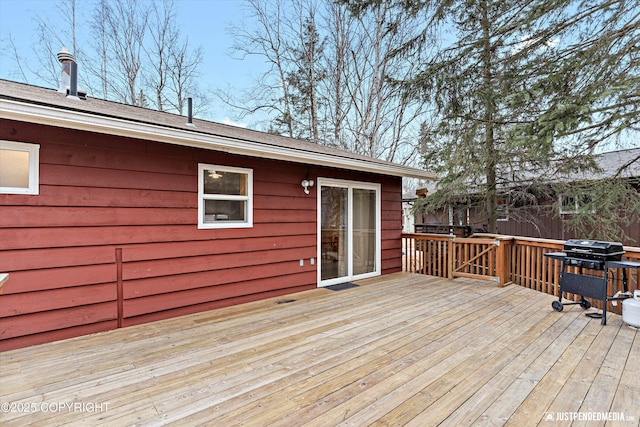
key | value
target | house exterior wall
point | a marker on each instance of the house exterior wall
(547, 224)
(552, 226)
(111, 240)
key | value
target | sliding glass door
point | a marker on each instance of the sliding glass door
(365, 233)
(349, 230)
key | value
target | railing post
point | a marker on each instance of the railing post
(503, 251)
(450, 256)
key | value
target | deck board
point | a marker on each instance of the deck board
(401, 349)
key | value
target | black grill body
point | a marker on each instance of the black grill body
(594, 250)
(592, 264)
(589, 255)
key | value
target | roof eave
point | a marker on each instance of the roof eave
(58, 117)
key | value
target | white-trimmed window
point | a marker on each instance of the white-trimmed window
(225, 197)
(573, 204)
(502, 210)
(19, 167)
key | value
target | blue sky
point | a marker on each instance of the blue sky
(204, 22)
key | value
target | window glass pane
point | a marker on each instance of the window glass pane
(14, 168)
(503, 213)
(222, 182)
(568, 203)
(502, 210)
(224, 210)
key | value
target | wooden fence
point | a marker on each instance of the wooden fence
(504, 260)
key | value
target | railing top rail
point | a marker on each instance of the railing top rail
(477, 240)
(522, 238)
(491, 236)
(479, 237)
(429, 235)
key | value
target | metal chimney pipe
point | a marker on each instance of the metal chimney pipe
(190, 112)
(73, 82)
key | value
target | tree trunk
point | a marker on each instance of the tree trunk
(489, 142)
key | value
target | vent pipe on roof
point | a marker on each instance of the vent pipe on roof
(66, 58)
(190, 112)
(69, 80)
(73, 83)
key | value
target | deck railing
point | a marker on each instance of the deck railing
(503, 259)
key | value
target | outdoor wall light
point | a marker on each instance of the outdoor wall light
(306, 183)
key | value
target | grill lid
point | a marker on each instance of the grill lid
(593, 249)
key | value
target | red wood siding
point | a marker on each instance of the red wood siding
(391, 225)
(112, 238)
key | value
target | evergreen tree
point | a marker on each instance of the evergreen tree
(304, 79)
(524, 92)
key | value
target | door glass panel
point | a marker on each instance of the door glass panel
(364, 231)
(333, 232)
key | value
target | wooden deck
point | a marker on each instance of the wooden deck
(398, 350)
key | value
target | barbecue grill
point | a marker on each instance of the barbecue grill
(594, 256)
(593, 250)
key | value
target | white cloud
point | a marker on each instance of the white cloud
(228, 121)
(526, 41)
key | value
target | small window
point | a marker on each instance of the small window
(573, 204)
(225, 197)
(19, 164)
(502, 210)
(503, 213)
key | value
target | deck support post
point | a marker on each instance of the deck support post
(502, 270)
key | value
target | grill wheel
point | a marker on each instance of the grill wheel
(557, 306)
